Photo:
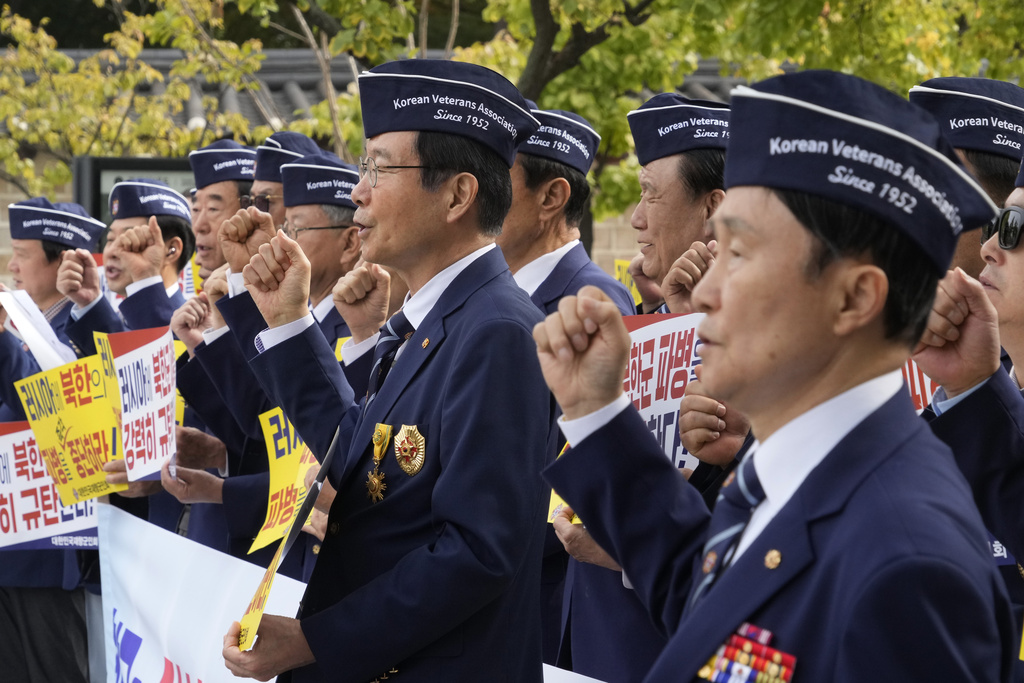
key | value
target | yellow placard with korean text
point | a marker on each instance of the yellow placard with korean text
(557, 504)
(250, 621)
(623, 276)
(290, 459)
(75, 426)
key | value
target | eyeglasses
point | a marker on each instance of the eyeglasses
(369, 167)
(293, 233)
(1008, 224)
(260, 201)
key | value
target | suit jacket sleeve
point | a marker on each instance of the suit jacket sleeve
(303, 377)
(896, 625)
(100, 318)
(225, 365)
(637, 507)
(149, 307)
(487, 507)
(15, 363)
(244, 319)
(985, 431)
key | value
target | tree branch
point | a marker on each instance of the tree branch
(533, 79)
(452, 30)
(544, 65)
(323, 58)
(319, 18)
(424, 20)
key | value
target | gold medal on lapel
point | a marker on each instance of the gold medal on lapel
(409, 449)
(375, 485)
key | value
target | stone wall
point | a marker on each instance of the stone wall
(614, 239)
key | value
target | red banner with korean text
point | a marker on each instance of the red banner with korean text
(31, 514)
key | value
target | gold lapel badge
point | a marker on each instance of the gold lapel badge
(409, 449)
(772, 559)
(375, 485)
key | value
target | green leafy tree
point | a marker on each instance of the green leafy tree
(600, 58)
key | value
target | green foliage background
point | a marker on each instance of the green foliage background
(600, 58)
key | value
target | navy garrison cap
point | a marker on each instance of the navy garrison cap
(281, 148)
(64, 223)
(855, 143)
(142, 198)
(320, 178)
(564, 137)
(223, 160)
(976, 113)
(446, 97)
(670, 124)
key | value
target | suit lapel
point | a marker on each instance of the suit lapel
(424, 342)
(751, 582)
(553, 287)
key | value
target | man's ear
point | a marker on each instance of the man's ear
(462, 191)
(553, 197)
(862, 292)
(172, 250)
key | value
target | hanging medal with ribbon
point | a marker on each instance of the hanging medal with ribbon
(375, 485)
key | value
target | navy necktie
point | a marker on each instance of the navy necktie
(741, 493)
(392, 335)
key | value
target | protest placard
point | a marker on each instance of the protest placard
(31, 515)
(144, 363)
(289, 460)
(75, 427)
(168, 601)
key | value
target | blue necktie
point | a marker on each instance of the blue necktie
(740, 494)
(392, 335)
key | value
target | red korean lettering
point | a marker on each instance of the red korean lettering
(8, 520)
(67, 387)
(31, 517)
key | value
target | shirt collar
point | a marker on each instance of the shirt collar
(321, 310)
(51, 312)
(533, 274)
(789, 455)
(417, 306)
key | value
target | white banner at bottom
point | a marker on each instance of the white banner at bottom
(168, 601)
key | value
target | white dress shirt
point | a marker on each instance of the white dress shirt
(533, 274)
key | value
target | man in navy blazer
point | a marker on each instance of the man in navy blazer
(148, 243)
(540, 239)
(848, 541)
(430, 569)
(979, 409)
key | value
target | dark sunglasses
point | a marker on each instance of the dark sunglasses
(1007, 223)
(260, 201)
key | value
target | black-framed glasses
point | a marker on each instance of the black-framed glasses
(260, 201)
(293, 232)
(1007, 224)
(369, 167)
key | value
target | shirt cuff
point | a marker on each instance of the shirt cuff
(211, 335)
(236, 284)
(78, 311)
(941, 404)
(272, 336)
(577, 430)
(350, 352)
(142, 284)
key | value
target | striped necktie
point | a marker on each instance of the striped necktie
(741, 493)
(392, 335)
